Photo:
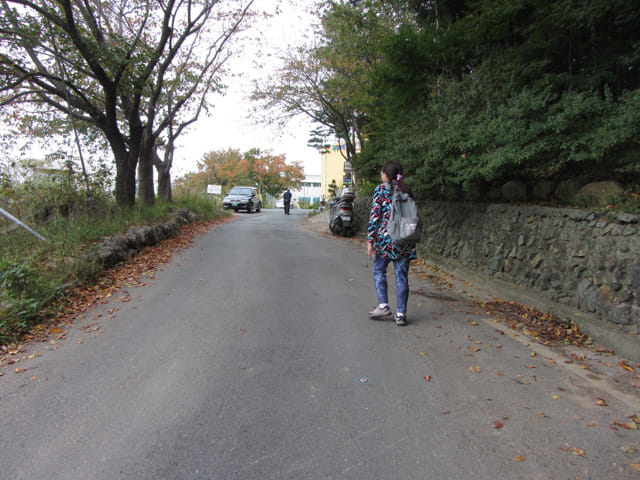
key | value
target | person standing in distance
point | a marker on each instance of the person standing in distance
(384, 250)
(287, 201)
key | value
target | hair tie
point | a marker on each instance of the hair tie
(398, 177)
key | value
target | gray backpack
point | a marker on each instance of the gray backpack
(405, 224)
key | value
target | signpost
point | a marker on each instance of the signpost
(214, 189)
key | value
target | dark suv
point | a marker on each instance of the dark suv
(243, 198)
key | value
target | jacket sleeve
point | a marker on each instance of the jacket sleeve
(375, 216)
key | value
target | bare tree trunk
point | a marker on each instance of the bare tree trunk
(146, 191)
(163, 168)
(125, 188)
(164, 184)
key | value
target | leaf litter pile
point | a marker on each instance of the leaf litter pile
(544, 327)
(80, 299)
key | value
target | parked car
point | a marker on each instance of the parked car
(243, 198)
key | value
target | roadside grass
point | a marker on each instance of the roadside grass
(34, 274)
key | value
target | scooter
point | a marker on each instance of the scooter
(341, 213)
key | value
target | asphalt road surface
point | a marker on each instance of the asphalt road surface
(250, 356)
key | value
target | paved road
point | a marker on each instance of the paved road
(250, 356)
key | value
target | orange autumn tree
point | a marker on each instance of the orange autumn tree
(226, 168)
(270, 173)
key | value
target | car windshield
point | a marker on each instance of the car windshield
(240, 191)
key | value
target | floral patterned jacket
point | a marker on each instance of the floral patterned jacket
(377, 230)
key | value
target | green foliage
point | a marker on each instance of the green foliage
(308, 205)
(485, 92)
(18, 280)
(22, 294)
(34, 274)
(206, 206)
(45, 191)
(366, 189)
(628, 202)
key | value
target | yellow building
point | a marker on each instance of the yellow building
(335, 167)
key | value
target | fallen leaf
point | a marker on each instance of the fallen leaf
(624, 366)
(532, 354)
(635, 466)
(556, 397)
(498, 424)
(626, 426)
(629, 449)
(520, 458)
(20, 370)
(427, 378)
(475, 369)
(56, 330)
(578, 452)
(423, 354)
(601, 402)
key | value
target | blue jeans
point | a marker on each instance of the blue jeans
(401, 266)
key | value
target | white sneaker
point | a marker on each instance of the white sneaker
(380, 312)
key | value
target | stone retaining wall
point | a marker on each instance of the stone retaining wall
(114, 250)
(576, 257)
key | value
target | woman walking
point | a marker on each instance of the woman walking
(384, 250)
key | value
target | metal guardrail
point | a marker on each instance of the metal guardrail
(19, 223)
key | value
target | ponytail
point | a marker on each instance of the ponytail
(393, 171)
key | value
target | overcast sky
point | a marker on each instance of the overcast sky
(230, 125)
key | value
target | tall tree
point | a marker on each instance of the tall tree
(330, 81)
(112, 65)
(299, 88)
